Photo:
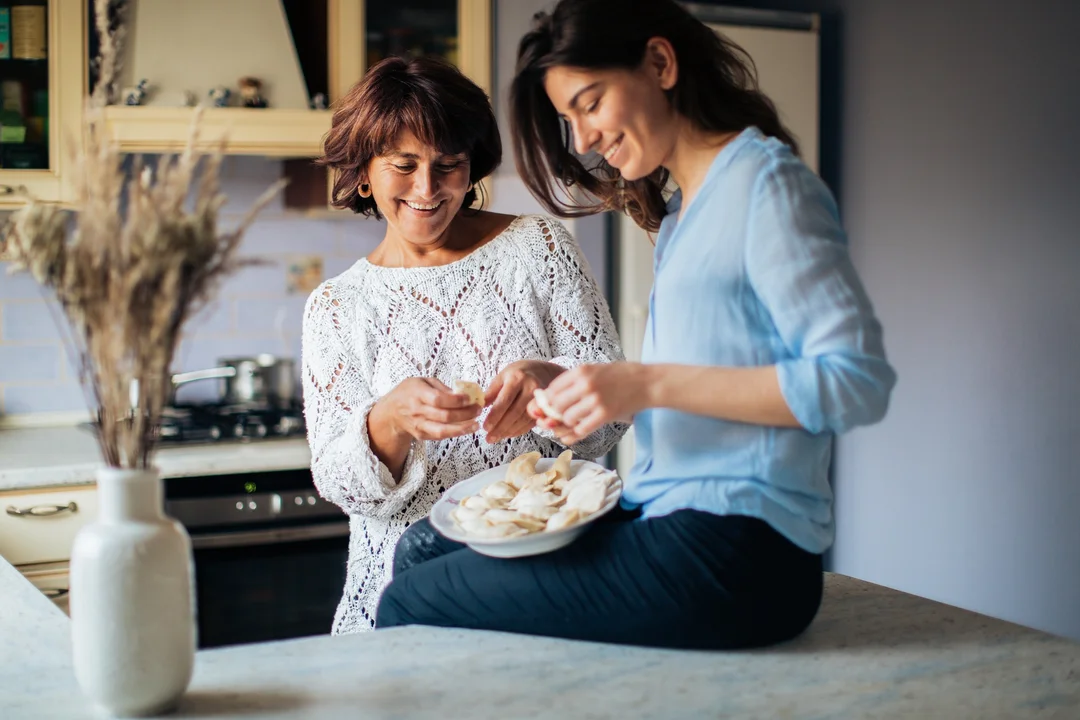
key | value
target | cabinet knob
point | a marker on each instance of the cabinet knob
(41, 510)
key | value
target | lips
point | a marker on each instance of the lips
(422, 207)
(613, 149)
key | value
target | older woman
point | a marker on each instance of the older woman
(451, 293)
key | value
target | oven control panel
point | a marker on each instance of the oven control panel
(242, 499)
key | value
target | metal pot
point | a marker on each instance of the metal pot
(261, 380)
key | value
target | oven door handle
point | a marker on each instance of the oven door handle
(274, 536)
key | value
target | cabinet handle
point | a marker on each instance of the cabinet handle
(7, 190)
(53, 593)
(41, 510)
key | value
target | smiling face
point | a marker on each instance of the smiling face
(418, 189)
(623, 115)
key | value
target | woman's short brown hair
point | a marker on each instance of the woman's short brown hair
(427, 96)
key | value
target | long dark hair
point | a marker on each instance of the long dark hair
(427, 96)
(717, 89)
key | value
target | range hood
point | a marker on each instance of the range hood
(192, 46)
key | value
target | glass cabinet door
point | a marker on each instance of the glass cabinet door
(41, 71)
(410, 29)
(24, 85)
(457, 30)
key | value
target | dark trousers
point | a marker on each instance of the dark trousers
(686, 580)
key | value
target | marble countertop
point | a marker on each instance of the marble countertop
(871, 652)
(57, 456)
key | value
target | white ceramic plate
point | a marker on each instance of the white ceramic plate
(531, 544)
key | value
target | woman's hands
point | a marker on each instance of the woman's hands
(509, 396)
(591, 396)
(425, 409)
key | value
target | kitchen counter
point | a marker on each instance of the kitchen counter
(871, 652)
(58, 456)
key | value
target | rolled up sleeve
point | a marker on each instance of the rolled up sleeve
(834, 375)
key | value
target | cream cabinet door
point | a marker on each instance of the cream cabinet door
(40, 526)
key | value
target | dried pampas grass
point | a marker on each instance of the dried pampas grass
(137, 255)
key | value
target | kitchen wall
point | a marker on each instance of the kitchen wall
(255, 311)
(950, 133)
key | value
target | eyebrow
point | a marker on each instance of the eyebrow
(582, 91)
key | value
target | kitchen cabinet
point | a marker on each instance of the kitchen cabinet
(37, 529)
(38, 526)
(42, 85)
(334, 41)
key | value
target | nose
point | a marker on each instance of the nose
(585, 138)
(425, 182)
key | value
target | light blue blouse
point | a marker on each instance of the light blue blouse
(757, 273)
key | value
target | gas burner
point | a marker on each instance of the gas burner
(193, 423)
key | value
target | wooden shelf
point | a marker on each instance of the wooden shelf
(269, 132)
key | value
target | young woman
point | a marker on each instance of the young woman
(451, 293)
(761, 346)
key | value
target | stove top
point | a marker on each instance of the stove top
(192, 424)
(211, 423)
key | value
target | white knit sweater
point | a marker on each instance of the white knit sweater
(527, 294)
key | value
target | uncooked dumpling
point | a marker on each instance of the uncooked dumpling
(467, 387)
(495, 517)
(540, 512)
(529, 496)
(521, 467)
(545, 405)
(464, 514)
(498, 491)
(562, 519)
(479, 502)
(588, 497)
(539, 481)
(562, 465)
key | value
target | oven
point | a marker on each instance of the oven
(270, 554)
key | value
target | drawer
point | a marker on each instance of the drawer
(52, 580)
(40, 526)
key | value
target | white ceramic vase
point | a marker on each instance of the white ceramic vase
(132, 599)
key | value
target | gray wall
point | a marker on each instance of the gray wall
(957, 167)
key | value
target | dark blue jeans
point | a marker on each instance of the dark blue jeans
(686, 580)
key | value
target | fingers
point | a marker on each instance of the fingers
(448, 400)
(449, 417)
(430, 430)
(534, 411)
(494, 389)
(502, 410)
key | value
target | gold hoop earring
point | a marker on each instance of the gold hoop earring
(364, 190)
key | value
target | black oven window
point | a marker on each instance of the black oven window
(268, 592)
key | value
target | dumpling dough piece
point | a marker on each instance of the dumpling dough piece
(562, 465)
(588, 497)
(542, 401)
(539, 481)
(479, 502)
(533, 497)
(562, 519)
(467, 387)
(521, 468)
(463, 514)
(498, 491)
(481, 528)
(540, 512)
(496, 517)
